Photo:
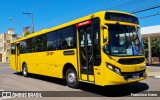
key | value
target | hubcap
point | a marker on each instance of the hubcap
(24, 71)
(71, 77)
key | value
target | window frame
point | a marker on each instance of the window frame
(31, 43)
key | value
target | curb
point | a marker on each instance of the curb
(4, 62)
(157, 77)
(153, 74)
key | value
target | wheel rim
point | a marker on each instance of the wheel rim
(24, 71)
(71, 77)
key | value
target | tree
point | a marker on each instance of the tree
(155, 47)
(145, 42)
(26, 32)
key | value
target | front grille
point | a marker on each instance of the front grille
(128, 61)
(133, 75)
(133, 72)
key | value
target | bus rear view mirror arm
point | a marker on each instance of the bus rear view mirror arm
(105, 34)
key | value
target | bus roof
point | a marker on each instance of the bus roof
(97, 14)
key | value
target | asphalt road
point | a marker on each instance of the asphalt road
(13, 81)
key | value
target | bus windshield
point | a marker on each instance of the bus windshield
(124, 41)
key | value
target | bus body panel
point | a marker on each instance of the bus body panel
(12, 62)
(51, 63)
(48, 63)
(105, 76)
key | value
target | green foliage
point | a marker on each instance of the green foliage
(145, 42)
(155, 47)
(27, 32)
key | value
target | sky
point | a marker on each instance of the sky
(49, 13)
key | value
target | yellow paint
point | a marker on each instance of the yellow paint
(40, 63)
(84, 77)
(91, 78)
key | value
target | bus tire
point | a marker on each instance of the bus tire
(71, 78)
(25, 70)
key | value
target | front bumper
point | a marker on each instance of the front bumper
(113, 78)
(133, 75)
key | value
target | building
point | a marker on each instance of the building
(150, 33)
(5, 39)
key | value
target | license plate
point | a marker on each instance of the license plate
(135, 76)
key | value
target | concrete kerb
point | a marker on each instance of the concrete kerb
(4, 62)
(153, 74)
(153, 71)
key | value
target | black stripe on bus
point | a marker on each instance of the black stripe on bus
(69, 52)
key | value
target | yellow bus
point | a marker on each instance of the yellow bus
(104, 48)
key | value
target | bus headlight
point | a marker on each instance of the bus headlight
(113, 68)
(117, 70)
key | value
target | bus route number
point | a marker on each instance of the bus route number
(49, 53)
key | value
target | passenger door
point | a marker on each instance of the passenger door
(85, 51)
(17, 57)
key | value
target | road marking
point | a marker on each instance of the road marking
(157, 76)
(153, 74)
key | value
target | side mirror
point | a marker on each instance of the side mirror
(105, 33)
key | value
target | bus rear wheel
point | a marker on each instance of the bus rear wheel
(25, 70)
(71, 78)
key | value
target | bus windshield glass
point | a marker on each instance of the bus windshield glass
(124, 41)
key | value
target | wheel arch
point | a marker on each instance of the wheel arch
(67, 66)
(22, 65)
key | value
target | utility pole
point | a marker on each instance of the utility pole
(32, 17)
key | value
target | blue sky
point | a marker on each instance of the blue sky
(49, 13)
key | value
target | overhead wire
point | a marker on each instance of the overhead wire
(81, 13)
(158, 13)
(131, 6)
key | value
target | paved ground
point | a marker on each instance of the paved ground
(12, 81)
(153, 70)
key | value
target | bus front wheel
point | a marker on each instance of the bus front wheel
(71, 78)
(25, 70)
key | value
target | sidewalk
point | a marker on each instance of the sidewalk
(4, 62)
(153, 70)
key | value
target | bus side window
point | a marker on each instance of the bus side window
(96, 41)
(13, 49)
(64, 42)
(66, 38)
(30, 45)
(40, 43)
(51, 41)
(23, 47)
(59, 40)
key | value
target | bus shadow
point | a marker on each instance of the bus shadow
(90, 90)
(115, 90)
(44, 78)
